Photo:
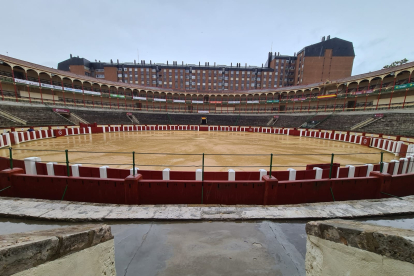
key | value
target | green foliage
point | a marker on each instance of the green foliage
(396, 63)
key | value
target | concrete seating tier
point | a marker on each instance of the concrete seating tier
(7, 123)
(393, 124)
(153, 118)
(343, 122)
(290, 121)
(104, 117)
(35, 116)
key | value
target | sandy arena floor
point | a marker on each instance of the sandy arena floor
(119, 146)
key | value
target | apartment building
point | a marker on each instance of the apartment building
(329, 59)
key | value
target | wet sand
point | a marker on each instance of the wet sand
(116, 147)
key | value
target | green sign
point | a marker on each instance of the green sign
(117, 96)
(404, 86)
(272, 101)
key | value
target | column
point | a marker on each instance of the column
(63, 93)
(40, 88)
(28, 89)
(379, 94)
(14, 83)
(393, 87)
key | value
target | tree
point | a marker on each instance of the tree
(396, 63)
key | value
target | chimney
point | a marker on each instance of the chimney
(135, 61)
(150, 61)
(167, 62)
(182, 63)
(278, 53)
(328, 37)
(231, 64)
(245, 65)
(323, 38)
(117, 61)
(199, 63)
(112, 61)
(70, 55)
(214, 64)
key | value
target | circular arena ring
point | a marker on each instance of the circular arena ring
(173, 164)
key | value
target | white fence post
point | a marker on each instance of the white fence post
(351, 172)
(292, 174)
(262, 173)
(232, 175)
(131, 171)
(318, 174)
(370, 168)
(199, 175)
(166, 174)
(103, 172)
(30, 165)
(396, 166)
(50, 167)
(75, 170)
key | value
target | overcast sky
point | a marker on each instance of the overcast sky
(46, 32)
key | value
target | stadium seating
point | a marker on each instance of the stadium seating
(393, 124)
(103, 117)
(36, 116)
(290, 121)
(7, 123)
(342, 122)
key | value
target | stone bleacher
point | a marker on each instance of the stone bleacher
(8, 123)
(153, 118)
(104, 117)
(35, 116)
(342, 122)
(393, 124)
(290, 121)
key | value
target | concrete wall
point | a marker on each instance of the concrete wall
(96, 260)
(340, 247)
(76, 250)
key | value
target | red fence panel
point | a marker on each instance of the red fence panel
(303, 191)
(361, 171)
(182, 175)
(88, 172)
(231, 193)
(40, 187)
(216, 175)
(356, 188)
(169, 192)
(401, 185)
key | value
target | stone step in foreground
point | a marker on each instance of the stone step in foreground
(78, 211)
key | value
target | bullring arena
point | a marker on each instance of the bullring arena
(315, 143)
(221, 183)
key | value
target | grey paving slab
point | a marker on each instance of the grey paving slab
(78, 211)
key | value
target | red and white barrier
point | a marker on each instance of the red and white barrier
(5, 140)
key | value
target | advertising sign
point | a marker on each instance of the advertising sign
(61, 110)
(140, 98)
(116, 96)
(27, 82)
(159, 100)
